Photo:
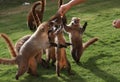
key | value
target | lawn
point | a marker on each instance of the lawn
(99, 63)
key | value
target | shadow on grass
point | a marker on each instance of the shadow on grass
(101, 41)
(91, 65)
(49, 75)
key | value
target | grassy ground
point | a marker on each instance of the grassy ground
(99, 63)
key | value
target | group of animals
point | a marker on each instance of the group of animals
(48, 37)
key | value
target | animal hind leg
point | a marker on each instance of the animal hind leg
(33, 67)
(74, 56)
(22, 68)
(57, 68)
(69, 68)
(40, 60)
(79, 54)
(53, 61)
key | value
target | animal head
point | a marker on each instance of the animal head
(46, 28)
(116, 23)
(75, 21)
(56, 19)
(42, 35)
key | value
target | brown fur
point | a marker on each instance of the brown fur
(29, 50)
(26, 57)
(75, 35)
(50, 53)
(35, 16)
(59, 54)
(19, 44)
(61, 58)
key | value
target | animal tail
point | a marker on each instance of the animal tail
(34, 12)
(60, 2)
(43, 5)
(7, 61)
(35, 16)
(88, 43)
(10, 44)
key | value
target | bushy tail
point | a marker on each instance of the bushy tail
(88, 43)
(10, 44)
(7, 61)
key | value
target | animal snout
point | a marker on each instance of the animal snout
(53, 29)
(113, 23)
(76, 21)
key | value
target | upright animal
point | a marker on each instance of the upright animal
(61, 58)
(75, 31)
(35, 16)
(20, 43)
(51, 52)
(25, 58)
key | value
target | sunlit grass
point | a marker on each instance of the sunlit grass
(99, 63)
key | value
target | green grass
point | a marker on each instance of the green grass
(99, 63)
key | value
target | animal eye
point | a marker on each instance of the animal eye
(42, 30)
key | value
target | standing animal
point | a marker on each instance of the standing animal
(51, 52)
(75, 35)
(20, 43)
(35, 16)
(26, 57)
(61, 58)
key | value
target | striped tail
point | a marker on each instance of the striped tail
(7, 61)
(10, 44)
(36, 18)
